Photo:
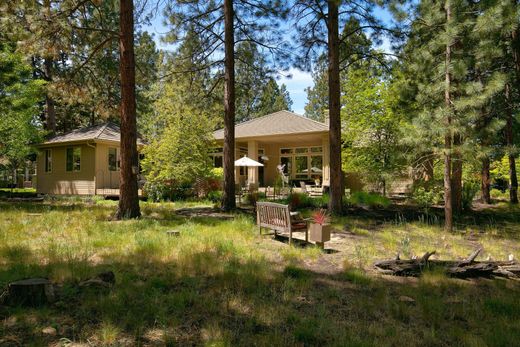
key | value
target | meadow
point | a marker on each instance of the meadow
(219, 283)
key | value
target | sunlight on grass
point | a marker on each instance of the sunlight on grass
(219, 283)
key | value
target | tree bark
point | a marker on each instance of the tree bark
(336, 191)
(515, 48)
(448, 212)
(228, 199)
(513, 179)
(456, 174)
(50, 112)
(485, 181)
(128, 190)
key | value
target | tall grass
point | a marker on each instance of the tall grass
(219, 283)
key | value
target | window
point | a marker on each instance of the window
(114, 162)
(48, 160)
(316, 165)
(217, 160)
(74, 159)
(302, 162)
(301, 165)
(287, 161)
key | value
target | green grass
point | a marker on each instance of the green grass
(221, 284)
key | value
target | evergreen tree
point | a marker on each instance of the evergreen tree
(221, 25)
(318, 20)
(20, 96)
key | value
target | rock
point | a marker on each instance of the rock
(407, 299)
(511, 257)
(50, 331)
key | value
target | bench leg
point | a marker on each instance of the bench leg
(290, 237)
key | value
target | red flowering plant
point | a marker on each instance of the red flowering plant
(321, 217)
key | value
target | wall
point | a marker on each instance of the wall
(60, 181)
(105, 179)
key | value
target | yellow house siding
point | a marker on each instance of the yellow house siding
(61, 181)
(105, 179)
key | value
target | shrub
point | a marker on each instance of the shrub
(167, 190)
(299, 201)
(215, 196)
(469, 190)
(425, 198)
(373, 200)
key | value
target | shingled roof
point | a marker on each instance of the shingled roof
(278, 123)
(104, 132)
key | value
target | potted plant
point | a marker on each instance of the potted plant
(320, 227)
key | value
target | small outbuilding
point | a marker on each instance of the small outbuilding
(81, 162)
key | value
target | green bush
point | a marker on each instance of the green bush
(215, 196)
(373, 200)
(469, 190)
(425, 198)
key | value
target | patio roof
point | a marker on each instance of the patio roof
(104, 132)
(278, 123)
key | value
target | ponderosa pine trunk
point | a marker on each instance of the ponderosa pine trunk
(336, 191)
(228, 199)
(448, 211)
(513, 179)
(485, 185)
(128, 189)
(50, 111)
(456, 174)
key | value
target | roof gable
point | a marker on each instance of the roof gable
(105, 132)
(278, 123)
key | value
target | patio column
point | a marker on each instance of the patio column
(252, 172)
(326, 160)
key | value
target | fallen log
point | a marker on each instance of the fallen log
(468, 268)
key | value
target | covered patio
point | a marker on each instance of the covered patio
(299, 144)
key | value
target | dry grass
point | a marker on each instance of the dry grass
(220, 284)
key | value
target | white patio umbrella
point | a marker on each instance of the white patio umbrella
(248, 162)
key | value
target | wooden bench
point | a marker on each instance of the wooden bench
(277, 217)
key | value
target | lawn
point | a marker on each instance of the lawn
(221, 284)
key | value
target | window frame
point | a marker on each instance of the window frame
(48, 155)
(73, 169)
(118, 159)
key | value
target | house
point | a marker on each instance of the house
(299, 143)
(83, 162)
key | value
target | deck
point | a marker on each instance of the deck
(107, 192)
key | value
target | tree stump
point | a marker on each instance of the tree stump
(29, 292)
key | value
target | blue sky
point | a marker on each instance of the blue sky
(299, 80)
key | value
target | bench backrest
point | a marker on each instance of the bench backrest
(273, 216)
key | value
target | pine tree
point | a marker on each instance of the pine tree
(128, 190)
(221, 25)
(318, 20)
